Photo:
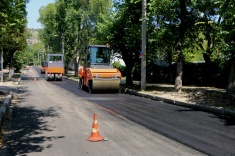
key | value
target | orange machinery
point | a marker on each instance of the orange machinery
(54, 70)
(97, 74)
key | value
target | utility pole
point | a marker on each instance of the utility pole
(2, 66)
(143, 46)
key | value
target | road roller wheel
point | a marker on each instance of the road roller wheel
(90, 87)
(81, 83)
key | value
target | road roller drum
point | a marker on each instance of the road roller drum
(104, 85)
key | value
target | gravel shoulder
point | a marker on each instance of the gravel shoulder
(208, 96)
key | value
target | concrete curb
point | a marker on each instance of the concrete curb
(4, 109)
(211, 109)
(5, 106)
(65, 77)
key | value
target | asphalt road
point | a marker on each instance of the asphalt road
(55, 118)
(53, 121)
(205, 132)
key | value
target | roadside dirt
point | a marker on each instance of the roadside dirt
(209, 96)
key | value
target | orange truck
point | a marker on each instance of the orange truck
(97, 74)
(54, 69)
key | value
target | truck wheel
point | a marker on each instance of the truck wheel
(53, 77)
(81, 83)
(90, 87)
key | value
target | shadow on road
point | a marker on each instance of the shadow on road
(28, 130)
(228, 121)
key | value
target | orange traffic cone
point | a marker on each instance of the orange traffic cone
(95, 135)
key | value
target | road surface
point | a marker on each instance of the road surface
(55, 118)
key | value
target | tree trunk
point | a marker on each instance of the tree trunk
(179, 68)
(207, 58)
(66, 65)
(182, 31)
(11, 67)
(129, 80)
(231, 85)
(179, 75)
(76, 62)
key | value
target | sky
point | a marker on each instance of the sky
(33, 12)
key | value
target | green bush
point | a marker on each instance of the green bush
(120, 67)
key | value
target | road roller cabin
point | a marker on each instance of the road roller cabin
(97, 74)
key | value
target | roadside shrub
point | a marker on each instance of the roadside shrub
(120, 67)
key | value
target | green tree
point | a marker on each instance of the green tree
(12, 29)
(126, 35)
(76, 30)
(228, 33)
(32, 54)
(48, 34)
(77, 22)
(176, 18)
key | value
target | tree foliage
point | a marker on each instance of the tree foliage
(126, 35)
(48, 34)
(178, 31)
(75, 21)
(12, 28)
